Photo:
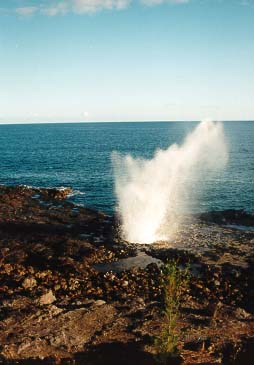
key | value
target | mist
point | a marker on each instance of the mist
(151, 194)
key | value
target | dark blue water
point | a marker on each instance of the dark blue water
(78, 155)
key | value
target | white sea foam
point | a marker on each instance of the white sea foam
(76, 193)
(150, 192)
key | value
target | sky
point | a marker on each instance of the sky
(126, 60)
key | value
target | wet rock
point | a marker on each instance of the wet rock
(57, 194)
(230, 216)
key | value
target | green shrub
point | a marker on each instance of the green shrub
(174, 282)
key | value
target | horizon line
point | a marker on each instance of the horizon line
(123, 121)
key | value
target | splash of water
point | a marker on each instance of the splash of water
(151, 193)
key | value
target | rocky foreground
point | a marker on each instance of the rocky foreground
(71, 292)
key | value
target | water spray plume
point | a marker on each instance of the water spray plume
(152, 193)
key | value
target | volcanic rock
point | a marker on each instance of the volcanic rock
(72, 292)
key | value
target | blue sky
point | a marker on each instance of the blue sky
(119, 60)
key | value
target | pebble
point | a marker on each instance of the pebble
(242, 314)
(29, 283)
(99, 303)
(47, 298)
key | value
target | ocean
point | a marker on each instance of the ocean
(78, 155)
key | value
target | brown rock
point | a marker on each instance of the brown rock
(29, 283)
(47, 298)
(59, 193)
(99, 303)
(242, 314)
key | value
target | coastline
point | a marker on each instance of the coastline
(57, 306)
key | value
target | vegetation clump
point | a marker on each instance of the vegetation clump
(174, 281)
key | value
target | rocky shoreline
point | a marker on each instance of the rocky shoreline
(72, 292)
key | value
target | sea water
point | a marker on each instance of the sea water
(79, 155)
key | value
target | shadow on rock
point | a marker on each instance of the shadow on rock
(107, 353)
(114, 354)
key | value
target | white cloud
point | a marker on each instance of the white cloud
(159, 2)
(92, 6)
(85, 114)
(26, 10)
(61, 7)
